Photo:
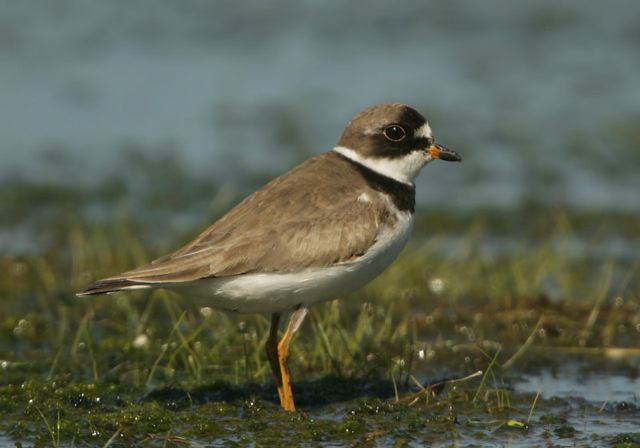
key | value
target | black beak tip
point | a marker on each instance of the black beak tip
(450, 156)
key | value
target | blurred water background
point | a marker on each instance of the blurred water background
(541, 98)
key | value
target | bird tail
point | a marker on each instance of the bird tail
(109, 285)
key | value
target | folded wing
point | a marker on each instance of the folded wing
(297, 221)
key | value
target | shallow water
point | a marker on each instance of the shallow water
(598, 389)
(541, 99)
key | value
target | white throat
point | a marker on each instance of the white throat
(403, 169)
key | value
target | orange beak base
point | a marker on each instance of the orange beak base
(440, 152)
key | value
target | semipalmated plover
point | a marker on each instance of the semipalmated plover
(325, 228)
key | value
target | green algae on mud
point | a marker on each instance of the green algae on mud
(43, 412)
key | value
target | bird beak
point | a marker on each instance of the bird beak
(442, 153)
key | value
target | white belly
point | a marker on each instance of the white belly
(261, 293)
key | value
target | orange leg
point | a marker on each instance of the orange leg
(284, 388)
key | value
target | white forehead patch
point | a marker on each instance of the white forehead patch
(423, 131)
(371, 131)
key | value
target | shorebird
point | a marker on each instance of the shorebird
(325, 228)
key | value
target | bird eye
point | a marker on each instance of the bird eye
(395, 133)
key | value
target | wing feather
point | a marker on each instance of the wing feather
(296, 221)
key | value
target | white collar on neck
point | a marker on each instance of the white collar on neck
(403, 169)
